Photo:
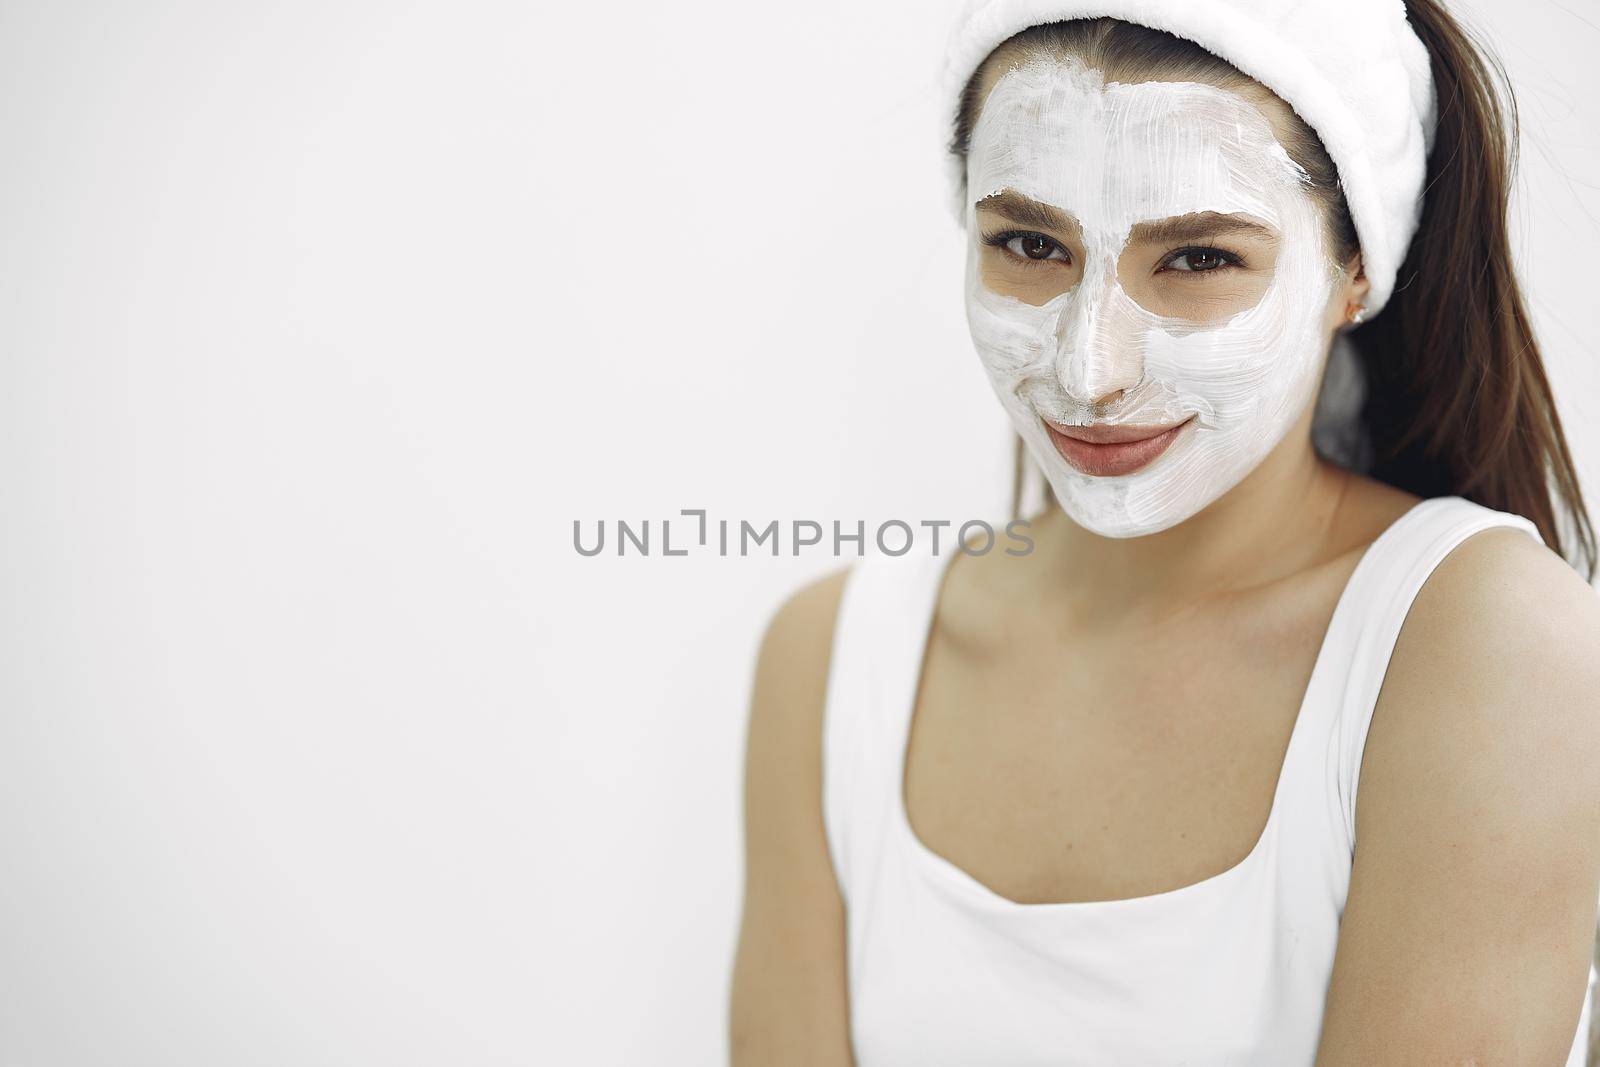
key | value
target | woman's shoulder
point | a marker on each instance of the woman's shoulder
(805, 630)
(1495, 577)
(1499, 591)
(1504, 618)
(798, 634)
(1489, 700)
(1478, 822)
(784, 737)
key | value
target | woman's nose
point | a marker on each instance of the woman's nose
(1098, 350)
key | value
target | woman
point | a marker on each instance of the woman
(1096, 804)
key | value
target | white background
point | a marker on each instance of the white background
(320, 323)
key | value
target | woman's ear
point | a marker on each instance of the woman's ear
(1350, 305)
(1359, 285)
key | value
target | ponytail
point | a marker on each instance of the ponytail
(1458, 402)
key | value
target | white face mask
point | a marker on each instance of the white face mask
(1123, 346)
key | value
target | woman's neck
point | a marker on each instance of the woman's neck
(1274, 523)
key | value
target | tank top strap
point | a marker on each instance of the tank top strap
(1369, 617)
(879, 636)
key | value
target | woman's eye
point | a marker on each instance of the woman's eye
(1031, 247)
(1035, 246)
(1201, 260)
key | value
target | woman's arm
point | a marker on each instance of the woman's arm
(788, 1003)
(1467, 933)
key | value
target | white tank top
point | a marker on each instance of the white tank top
(1229, 970)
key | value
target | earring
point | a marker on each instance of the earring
(1359, 315)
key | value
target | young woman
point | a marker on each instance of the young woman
(1096, 804)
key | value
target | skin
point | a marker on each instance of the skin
(1467, 931)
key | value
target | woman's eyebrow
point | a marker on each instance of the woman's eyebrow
(1198, 226)
(1026, 211)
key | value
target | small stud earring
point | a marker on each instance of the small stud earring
(1359, 315)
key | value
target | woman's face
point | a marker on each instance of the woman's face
(1146, 272)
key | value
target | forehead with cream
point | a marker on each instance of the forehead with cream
(1055, 131)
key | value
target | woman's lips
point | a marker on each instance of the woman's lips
(1106, 451)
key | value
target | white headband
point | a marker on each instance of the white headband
(1354, 71)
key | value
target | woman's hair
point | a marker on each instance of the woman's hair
(1457, 401)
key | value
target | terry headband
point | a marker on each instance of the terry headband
(1353, 70)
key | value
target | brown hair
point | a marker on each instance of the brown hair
(1457, 401)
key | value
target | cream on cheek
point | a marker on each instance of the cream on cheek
(1112, 155)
